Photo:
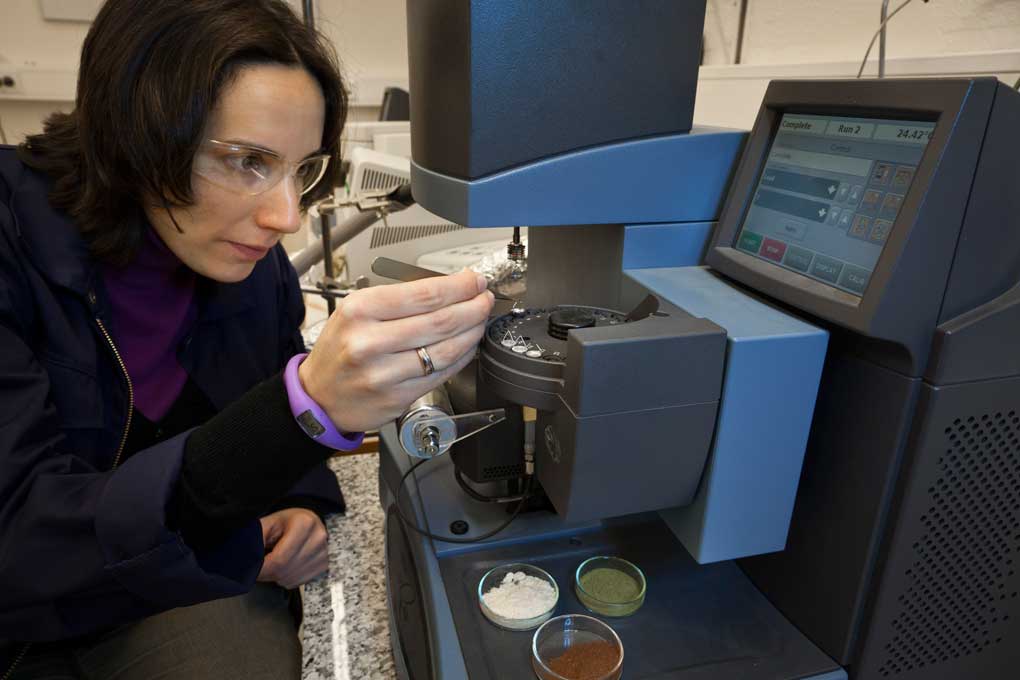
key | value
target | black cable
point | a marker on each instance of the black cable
(450, 539)
(480, 496)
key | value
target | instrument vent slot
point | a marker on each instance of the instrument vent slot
(388, 236)
(376, 180)
(962, 582)
(496, 472)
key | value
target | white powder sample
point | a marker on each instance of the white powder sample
(520, 596)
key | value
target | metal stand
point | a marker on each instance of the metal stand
(371, 208)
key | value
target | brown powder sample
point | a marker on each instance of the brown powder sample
(586, 661)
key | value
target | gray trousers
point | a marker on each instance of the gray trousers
(251, 637)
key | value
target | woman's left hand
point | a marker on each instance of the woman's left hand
(295, 541)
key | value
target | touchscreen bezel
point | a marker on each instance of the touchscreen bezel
(746, 217)
(884, 309)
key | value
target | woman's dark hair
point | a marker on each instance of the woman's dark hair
(151, 71)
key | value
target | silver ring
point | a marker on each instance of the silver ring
(426, 361)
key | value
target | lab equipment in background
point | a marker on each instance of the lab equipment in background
(850, 504)
(365, 210)
(374, 215)
(415, 236)
(392, 137)
(396, 105)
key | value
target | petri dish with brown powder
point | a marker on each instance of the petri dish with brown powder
(576, 647)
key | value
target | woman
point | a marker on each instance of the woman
(162, 435)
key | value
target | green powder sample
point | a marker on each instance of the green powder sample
(610, 585)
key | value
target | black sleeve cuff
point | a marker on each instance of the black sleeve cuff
(241, 462)
(319, 506)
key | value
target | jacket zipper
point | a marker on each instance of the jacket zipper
(131, 395)
(17, 660)
(116, 459)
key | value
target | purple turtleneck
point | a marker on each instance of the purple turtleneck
(153, 306)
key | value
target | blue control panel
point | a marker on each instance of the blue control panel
(829, 195)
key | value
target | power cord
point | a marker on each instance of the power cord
(451, 539)
(875, 37)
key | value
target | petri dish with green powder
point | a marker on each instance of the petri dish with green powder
(610, 586)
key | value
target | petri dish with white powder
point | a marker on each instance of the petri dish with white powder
(517, 596)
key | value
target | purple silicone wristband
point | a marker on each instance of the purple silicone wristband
(310, 417)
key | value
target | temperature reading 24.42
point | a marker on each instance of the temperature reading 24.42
(913, 133)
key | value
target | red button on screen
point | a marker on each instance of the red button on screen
(774, 250)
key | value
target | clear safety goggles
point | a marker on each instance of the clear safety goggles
(252, 171)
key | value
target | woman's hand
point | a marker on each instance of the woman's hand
(295, 539)
(364, 370)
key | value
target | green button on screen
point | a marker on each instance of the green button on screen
(749, 241)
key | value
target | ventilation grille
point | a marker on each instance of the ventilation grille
(495, 472)
(376, 180)
(387, 236)
(962, 581)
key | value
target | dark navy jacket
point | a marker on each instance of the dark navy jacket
(84, 543)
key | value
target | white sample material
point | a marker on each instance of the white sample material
(520, 596)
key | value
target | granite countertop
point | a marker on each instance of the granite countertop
(345, 634)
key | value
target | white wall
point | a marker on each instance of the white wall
(828, 39)
(371, 41)
(29, 42)
(810, 31)
(370, 36)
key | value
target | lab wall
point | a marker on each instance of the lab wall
(42, 55)
(782, 38)
(812, 31)
(828, 39)
(47, 49)
(371, 41)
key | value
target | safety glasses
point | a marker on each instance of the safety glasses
(252, 171)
